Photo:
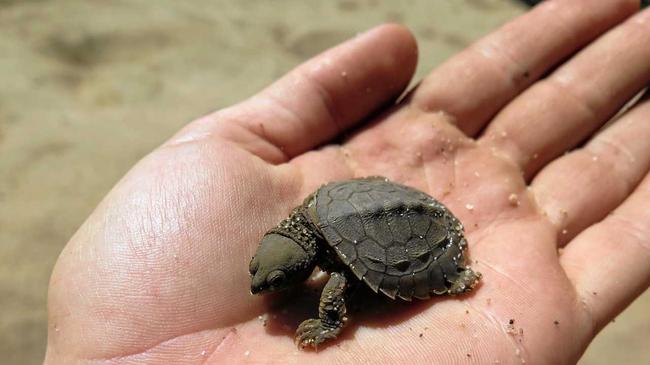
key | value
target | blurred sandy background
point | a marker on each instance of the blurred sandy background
(88, 87)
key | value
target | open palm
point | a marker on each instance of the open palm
(159, 272)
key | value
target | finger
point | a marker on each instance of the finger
(319, 99)
(609, 263)
(562, 110)
(582, 187)
(474, 85)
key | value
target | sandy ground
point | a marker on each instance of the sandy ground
(87, 88)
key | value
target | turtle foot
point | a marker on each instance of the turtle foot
(465, 282)
(313, 332)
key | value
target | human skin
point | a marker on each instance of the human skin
(159, 272)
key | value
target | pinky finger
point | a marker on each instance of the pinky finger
(609, 263)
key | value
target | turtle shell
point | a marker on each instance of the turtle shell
(396, 239)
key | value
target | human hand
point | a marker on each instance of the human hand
(159, 272)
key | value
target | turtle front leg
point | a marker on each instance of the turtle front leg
(331, 314)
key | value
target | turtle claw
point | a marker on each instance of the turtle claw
(313, 332)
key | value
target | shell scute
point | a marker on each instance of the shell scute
(347, 250)
(399, 224)
(373, 279)
(341, 192)
(358, 268)
(376, 227)
(419, 253)
(437, 237)
(421, 280)
(372, 255)
(390, 286)
(397, 260)
(406, 287)
(437, 282)
(419, 222)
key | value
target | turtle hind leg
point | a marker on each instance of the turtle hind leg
(466, 281)
(331, 315)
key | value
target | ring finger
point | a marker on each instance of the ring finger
(582, 187)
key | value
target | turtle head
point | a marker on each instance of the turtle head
(280, 262)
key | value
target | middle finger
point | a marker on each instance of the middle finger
(562, 110)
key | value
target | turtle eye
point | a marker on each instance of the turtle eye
(276, 278)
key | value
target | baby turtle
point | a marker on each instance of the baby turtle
(397, 240)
